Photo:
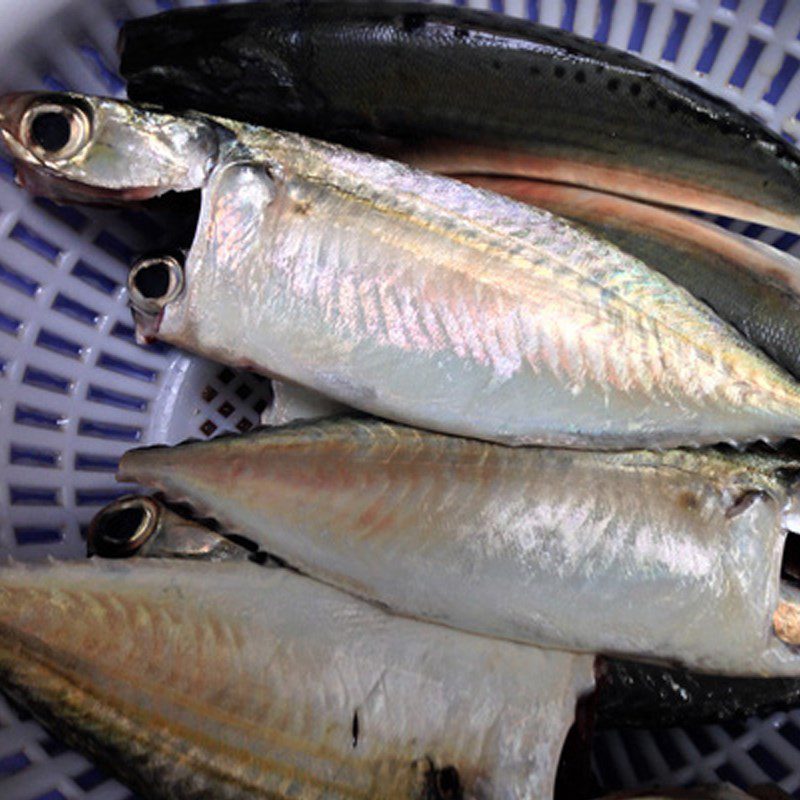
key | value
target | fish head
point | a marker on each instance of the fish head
(79, 148)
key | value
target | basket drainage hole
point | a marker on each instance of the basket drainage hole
(152, 280)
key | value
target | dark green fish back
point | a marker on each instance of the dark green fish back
(639, 695)
(354, 70)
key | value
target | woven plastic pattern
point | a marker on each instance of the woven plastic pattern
(76, 391)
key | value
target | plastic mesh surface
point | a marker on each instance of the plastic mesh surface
(76, 391)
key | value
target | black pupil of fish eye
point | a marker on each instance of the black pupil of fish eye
(152, 281)
(51, 130)
(118, 527)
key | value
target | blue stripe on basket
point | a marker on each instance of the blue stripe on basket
(680, 22)
(747, 62)
(29, 456)
(34, 242)
(49, 381)
(16, 280)
(781, 80)
(94, 278)
(771, 11)
(114, 246)
(9, 324)
(58, 344)
(128, 334)
(6, 168)
(38, 417)
(33, 496)
(713, 44)
(568, 19)
(606, 10)
(533, 10)
(787, 241)
(111, 397)
(98, 497)
(125, 367)
(89, 462)
(37, 534)
(108, 76)
(641, 21)
(90, 779)
(775, 770)
(54, 84)
(109, 430)
(11, 764)
(75, 310)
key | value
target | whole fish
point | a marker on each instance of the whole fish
(753, 286)
(470, 91)
(403, 294)
(671, 556)
(628, 693)
(231, 680)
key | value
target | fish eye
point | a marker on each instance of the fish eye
(122, 527)
(154, 282)
(55, 130)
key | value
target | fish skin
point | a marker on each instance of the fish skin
(291, 402)
(520, 328)
(671, 556)
(751, 285)
(635, 694)
(230, 680)
(483, 92)
(427, 301)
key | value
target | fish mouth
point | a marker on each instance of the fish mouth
(41, 181)
(123, 527)
(786, 618)
(153, 283)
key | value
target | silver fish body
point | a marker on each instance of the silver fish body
(751, 285)
(434, 305)
(417, 298)
(230, 680)
(672, 556)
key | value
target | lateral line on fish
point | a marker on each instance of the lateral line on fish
(41, 655)
(126, 716)
(320, 430)
(699, 346)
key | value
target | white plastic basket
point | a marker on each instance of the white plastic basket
(76, 391)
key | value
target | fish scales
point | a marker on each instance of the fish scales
(672, 556)
(243, 682)
(751, 285)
